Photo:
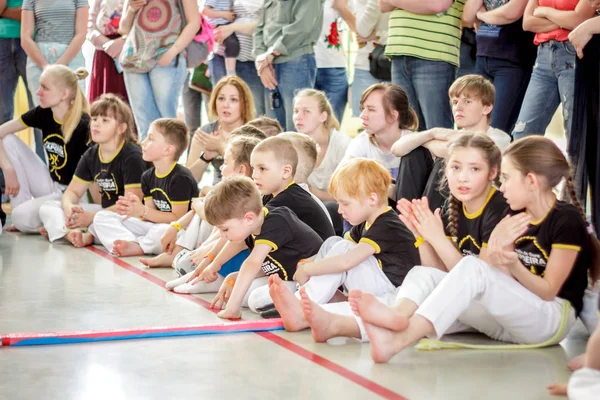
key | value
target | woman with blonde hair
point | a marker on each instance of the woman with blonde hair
(63, 117)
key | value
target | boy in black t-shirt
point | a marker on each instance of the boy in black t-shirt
(277, 238)
(274, 163)
(136, 228)
(375, 257)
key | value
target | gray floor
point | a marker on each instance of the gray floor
(46, 287)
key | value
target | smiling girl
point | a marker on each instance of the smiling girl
(231, 106)
(63, 118)
(546, 248)
(114, 162)
(314, 117)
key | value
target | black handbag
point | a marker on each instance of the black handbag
(379, 65)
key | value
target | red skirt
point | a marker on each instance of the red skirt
(105, 78)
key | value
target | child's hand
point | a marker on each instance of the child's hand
(210, 274)
(79, 219)
(11, 182)
(169, 240)
(301, 276)
(130, 206)
(509, 229)
(197, 272)
(197, 255)
(229, 15)
(428, 224)
(557, 389)
(405, 208)
(223, 295)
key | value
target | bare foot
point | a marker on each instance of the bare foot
(557, 389)
(287, 304)
(161, 260)
(123, 248)
(11, 228)
(87, 239)
(318, 319)
(75, 238)
(576, 363)
(373, 311)
(382, 343)
(42, 231)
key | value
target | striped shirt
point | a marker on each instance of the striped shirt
(54, 19)
(433, 37)
(245, 11)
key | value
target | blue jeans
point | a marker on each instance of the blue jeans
(334, 82)
(155, 94)
(426, 83)
(362, 80)
(292, 76)
(552, 82)
(245, 70)
(13, 61)
(510, 80)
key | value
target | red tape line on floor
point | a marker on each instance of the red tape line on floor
(286, 344)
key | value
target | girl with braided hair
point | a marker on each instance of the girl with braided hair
(546, 246)
(475, 208)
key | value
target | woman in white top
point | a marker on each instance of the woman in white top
(313, 116)
(371, 28)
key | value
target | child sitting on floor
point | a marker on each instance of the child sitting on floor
(114, 163)
(136, 228)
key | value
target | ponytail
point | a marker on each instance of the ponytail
(78, 104)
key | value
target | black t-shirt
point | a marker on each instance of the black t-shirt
(176, 187)
(291, 240)
(506, 42)
(306, 208)
(113, 176)
(393, 244)
(562, 228)
(474, 230)
(62, 158)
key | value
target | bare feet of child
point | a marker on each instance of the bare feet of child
(161, 260)
(11, 228)
(382, 343)
(123, 248)
(374, 312)
(287, 304)
(557, 389)
(318, 319)
(42, 231)
(79, 239)
(576, 363)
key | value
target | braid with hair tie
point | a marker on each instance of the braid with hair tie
(574, 200)
(453, 218)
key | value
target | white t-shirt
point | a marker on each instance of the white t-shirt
(329, 51)
(501, 138)
(338, 143)
(361, 146)
(368, 19)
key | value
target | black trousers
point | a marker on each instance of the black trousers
(420, 175)
(584, 146)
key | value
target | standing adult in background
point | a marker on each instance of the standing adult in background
(553, 77)
(153, 56)
(505, 54)
(584, 146)
(103, 33)
(247, 13)
(424, 44)
(53, 32)
(331, 57)
(371, 28)
(284, 41)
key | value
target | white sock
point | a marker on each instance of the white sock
(179, 281)
(200, 287)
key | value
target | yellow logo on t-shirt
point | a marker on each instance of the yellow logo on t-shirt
(57, 153)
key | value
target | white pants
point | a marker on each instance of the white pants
(584, 384)
(36, 185)
(53, 218)
(480, 296)
(589, 314)
(366, 276)
(111, 226)
(197, 232)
